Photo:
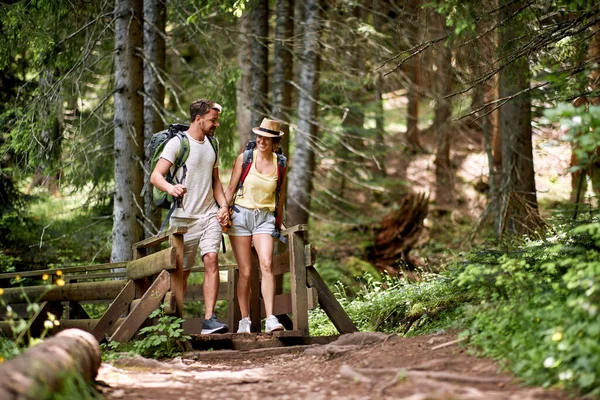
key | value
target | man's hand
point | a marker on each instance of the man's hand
(177, 191)
(223, 215)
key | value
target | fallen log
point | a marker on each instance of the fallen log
(43, 369)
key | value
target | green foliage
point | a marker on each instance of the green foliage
(73, 387)
(538, 308)
(395, 305)
(583, 130)
(161, 340)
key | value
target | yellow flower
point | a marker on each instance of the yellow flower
(58, 272)
(1, 291)
(557, 337)
(18, 278)
(45, 277)
(56, 322)
(60, 282)
(48, 324)
(1, 359)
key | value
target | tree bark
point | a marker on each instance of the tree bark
(283, 69)
(244, 84)
(43, 369)
(300, 180)
(413, 72)
(128, 125)
(351, 142)
(155, 16)
(260, 61)
(515, 127)
(445, 195)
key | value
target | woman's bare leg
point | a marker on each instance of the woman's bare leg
(263, 243)
(243, 257)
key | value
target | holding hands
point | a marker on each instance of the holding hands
(223, 215)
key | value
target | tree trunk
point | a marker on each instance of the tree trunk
(155, 15)
(445, 196)
(301, 173)
(283, 70)
(351, 144)
(244, 84)
(42, 370)
(260, 61)
(128, 125)
(413, 73)
(398, 234)
(515, 126)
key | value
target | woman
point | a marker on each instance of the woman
(253, 219)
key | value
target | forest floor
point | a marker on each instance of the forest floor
(357, 366)
(363, 365)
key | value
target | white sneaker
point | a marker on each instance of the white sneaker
(272, 324)
(244, 325)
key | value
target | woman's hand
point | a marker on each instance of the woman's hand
(223, 215)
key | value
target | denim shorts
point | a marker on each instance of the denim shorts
(205, 233)
(247, 222)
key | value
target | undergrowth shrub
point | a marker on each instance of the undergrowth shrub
(160, 340)
(537, 309)
(395, 305)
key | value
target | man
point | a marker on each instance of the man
(202, 208)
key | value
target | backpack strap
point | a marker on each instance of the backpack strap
(182, 156)
(281, 171)
(247, 162)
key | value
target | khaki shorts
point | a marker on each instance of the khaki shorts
(204, 233)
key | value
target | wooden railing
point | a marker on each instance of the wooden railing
(155, 276)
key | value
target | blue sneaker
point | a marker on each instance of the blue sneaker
(213, 326)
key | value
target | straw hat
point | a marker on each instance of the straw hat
(268, 128)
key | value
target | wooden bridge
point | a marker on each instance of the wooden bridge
(155, 276)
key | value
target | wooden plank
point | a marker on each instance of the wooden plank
(150, 301)
(176, 240)
(35, 325)
(87, 277)
(169, 304)
(294, 229)
(67, 270)
(233, 307)
(84, 291)
(298, 282)
(283, 302)
(255, 293)
(162, 237)
(222, 267)
(310, 255)
(152, 264)
(120, 305)
(329, 303)
(195, 292)
(87, 325)
(281, 263)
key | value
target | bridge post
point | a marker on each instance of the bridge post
(297, 241)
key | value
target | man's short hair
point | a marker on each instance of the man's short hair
(203, 106)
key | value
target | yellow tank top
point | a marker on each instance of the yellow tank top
(258, 190)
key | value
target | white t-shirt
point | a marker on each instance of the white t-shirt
(199, 198)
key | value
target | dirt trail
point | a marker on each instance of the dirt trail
(358, 366)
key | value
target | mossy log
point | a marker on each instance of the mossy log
(45, 368)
